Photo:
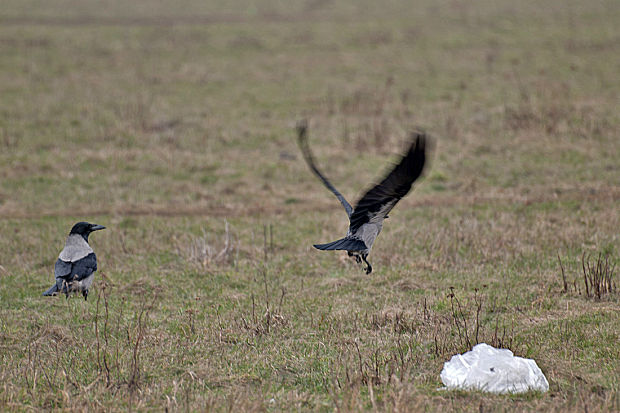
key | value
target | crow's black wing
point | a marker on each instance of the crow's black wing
(84, 267)
(62, 269)
(62, 273)
(380, 199)
(302, 135)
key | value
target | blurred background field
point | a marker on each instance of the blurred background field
(172, 124)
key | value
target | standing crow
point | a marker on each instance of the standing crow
(76, 263)
(366, 219)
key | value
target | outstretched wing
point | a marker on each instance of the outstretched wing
(379, 200)
(302, 135)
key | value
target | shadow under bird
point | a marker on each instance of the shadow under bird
(77, 262)
(366, 219)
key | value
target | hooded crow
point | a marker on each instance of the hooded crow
(76, 263)
(366, 219)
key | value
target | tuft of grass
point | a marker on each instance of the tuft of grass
(598, 276)
(201, 251)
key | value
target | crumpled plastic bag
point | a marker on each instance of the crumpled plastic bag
(493, 370)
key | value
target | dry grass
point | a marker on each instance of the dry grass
(598, 277)
(174, 127)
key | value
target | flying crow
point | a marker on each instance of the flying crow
(76, 263)
(366, 219)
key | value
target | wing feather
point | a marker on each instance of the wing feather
(302, 134)
(380, 199)
(62, 269)
(84, 267)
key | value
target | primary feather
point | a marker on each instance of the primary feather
(302, 134)
(379, 200)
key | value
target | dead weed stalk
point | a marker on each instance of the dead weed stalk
(117, 362)
(468, 320)
(598, 276)
(203, 251)
(272, 316)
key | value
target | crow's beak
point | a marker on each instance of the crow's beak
(97, 227)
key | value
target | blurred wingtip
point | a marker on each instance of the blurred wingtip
(302, 127)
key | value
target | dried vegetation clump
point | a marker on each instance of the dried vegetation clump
(597, 276)
(206, 250)
(55, 362)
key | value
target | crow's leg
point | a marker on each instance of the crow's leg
(65, 289)
(85, 294)
(357, 256)
(369, 268)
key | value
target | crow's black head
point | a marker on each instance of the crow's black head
(85, 228)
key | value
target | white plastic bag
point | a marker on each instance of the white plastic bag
(493, 370)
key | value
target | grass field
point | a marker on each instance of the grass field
(172, 124)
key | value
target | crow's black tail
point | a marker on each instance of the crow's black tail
(348, 244)
(53, 290)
